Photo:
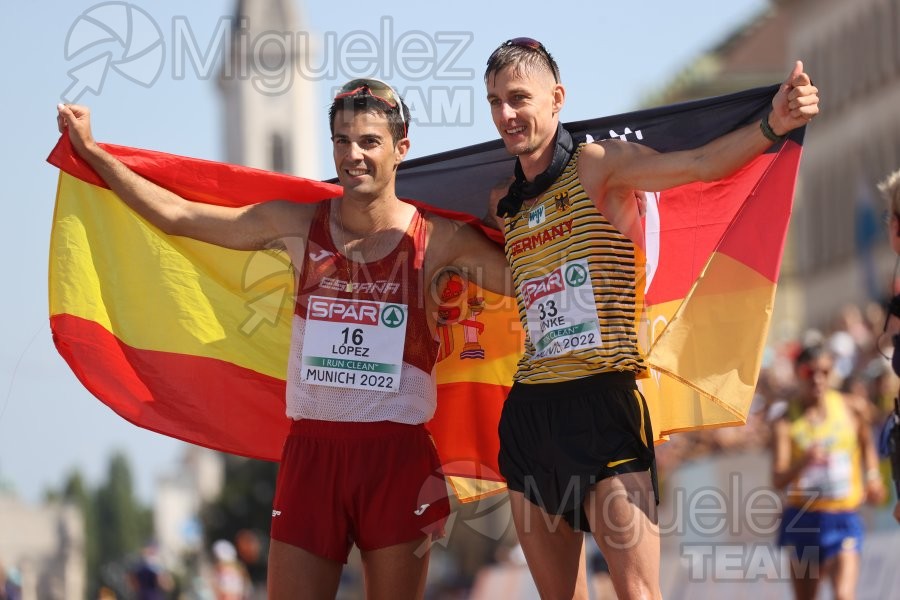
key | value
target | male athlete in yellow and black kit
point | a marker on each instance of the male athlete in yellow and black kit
(575, 436)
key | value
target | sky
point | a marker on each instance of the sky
(611, 54)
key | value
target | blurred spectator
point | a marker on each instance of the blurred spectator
(250, 552)
(230, 578)
(148, 578)
(890, 187)
(106, 594)
(9, 584)
(843, 348)
(852, 322)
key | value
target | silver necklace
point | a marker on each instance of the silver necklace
(526, 210)
(379, 236)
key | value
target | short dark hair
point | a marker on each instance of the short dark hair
(521, 58)
(812, 353)
(397, 117)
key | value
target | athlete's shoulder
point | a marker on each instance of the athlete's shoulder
(858, 406)
(592, 151)
(292, 209)
(439, 225)
(595, 161)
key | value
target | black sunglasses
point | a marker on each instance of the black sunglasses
(526, 42)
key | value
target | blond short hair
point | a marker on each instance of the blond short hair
(890, 187)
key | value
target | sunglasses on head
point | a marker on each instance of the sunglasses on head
(530, 44)
(526, 42)
(377, 89)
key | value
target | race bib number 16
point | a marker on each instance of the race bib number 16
(354, 343)
(561, 312)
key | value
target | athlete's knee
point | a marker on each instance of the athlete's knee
(636, 589)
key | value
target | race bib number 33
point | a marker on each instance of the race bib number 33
(353, 343)
(561, 312)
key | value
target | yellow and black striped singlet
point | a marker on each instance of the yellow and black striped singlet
(548, 246)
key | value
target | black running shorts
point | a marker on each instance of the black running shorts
(559, 439)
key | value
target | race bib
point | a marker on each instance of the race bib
(830, 479)
(560, 310)
(353, 343)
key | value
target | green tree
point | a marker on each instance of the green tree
(245, 501)
(123, 525)
(244, 505)
(116, 525)
(76, 492)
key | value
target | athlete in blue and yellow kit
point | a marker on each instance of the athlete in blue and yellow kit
(576, 445)
(822, 447)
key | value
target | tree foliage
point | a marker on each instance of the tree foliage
(243, 510)
(116, 525)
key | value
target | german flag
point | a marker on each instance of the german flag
(191, 340)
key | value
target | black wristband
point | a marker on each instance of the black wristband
(767, 130)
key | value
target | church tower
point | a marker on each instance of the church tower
(269, 117)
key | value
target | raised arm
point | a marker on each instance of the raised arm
(252, 227)
(614, 164)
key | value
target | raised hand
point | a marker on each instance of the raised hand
(795, 103)
(77, 120)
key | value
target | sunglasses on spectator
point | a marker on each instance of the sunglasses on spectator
(811, 372)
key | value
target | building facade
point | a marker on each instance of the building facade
(267, 89)
(837, 251)
(45, 545)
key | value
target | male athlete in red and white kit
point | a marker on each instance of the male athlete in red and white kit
(360, 387)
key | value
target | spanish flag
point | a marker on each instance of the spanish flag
(191, 340)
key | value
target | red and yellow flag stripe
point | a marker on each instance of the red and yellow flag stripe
(191, 340)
